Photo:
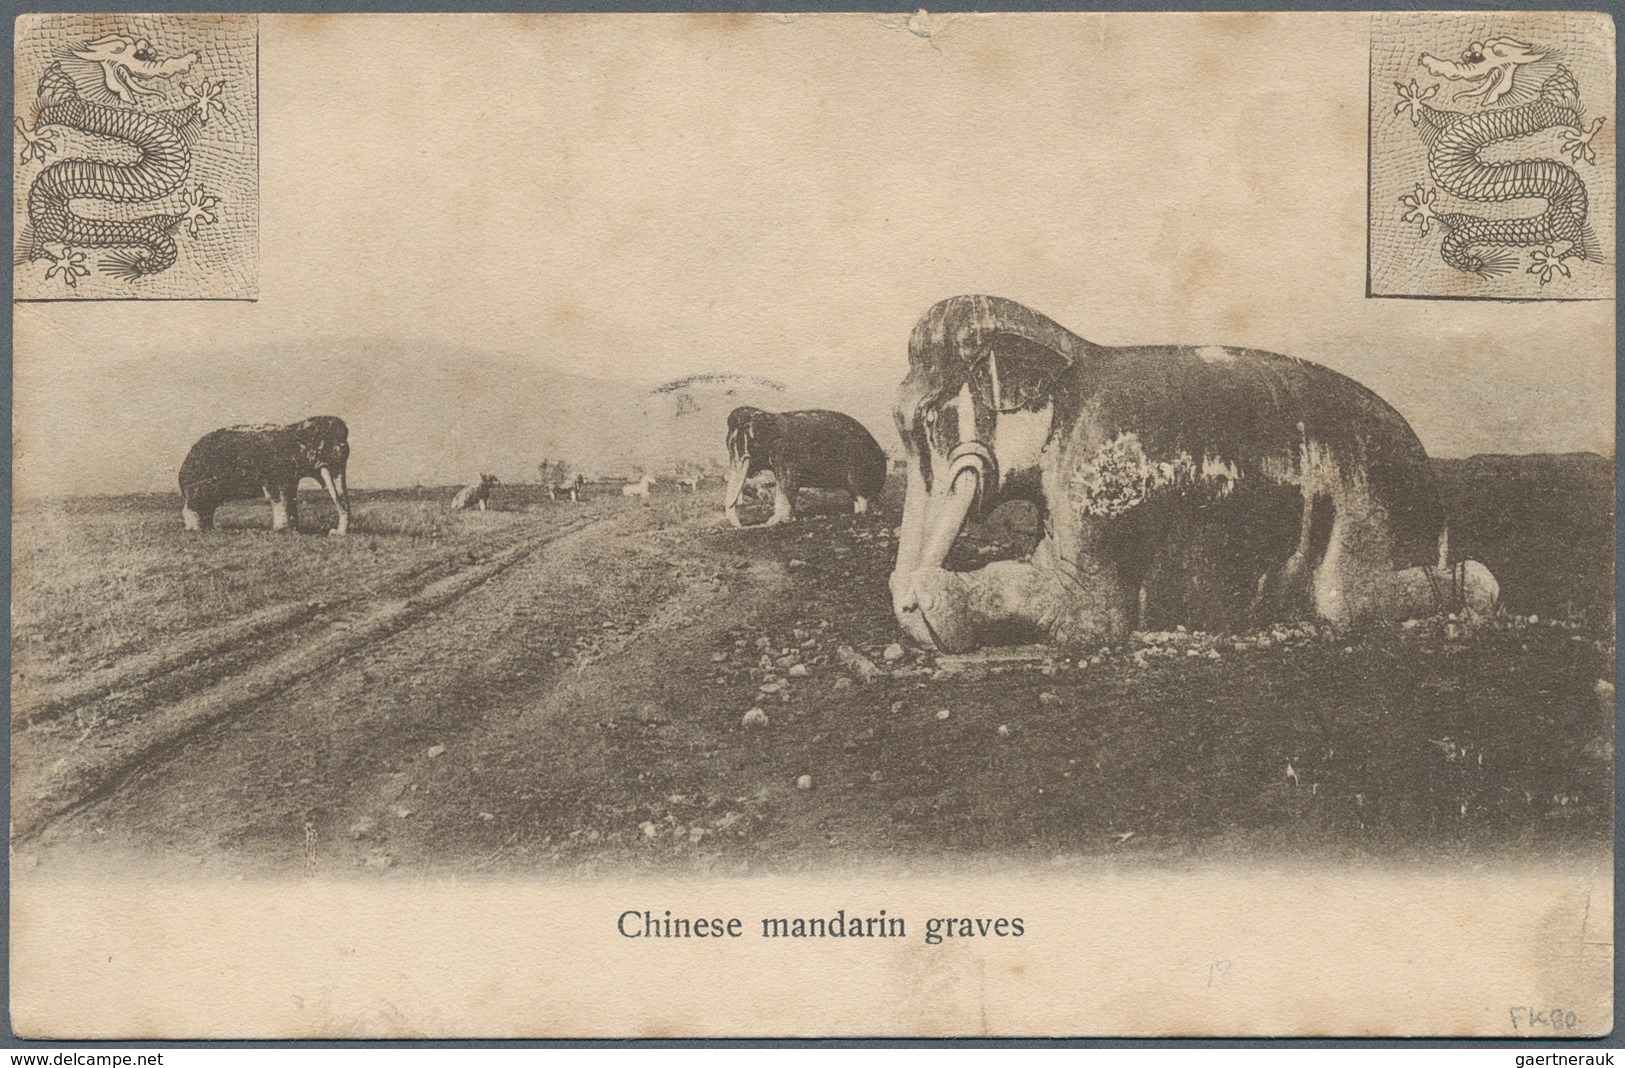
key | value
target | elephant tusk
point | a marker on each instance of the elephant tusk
(736, 489)
(912, 532)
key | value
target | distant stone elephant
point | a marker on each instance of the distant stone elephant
(476, 495)
(1277, 487)
(813, 449)
(565, 487)
(240, 462)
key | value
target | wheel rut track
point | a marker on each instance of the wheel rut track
(90, 772)
(197, 649)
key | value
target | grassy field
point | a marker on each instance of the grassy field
(97, 579)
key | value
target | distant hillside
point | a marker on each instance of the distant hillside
(1543, 523)
(428, 415)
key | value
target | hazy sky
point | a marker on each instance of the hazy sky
(648, 196)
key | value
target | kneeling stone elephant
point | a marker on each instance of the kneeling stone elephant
(1282, 488)
(813, 449)
(241, 462)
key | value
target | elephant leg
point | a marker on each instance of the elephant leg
(482, 506)
(784, 502)
(1287, 591)
(957, 611)
(1354, 584)
(198, 518)
(1416, 592)
(279, 513)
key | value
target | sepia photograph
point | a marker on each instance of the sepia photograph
(917, 525)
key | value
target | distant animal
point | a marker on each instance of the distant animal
(475, 495)
(242, 462)
(814, 449)
(569, 487)
(690, 485)
(640, 488)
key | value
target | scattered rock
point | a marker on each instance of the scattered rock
(695, 834)
(1049, 700)
(943, 713)
(771, 687)
(797, 671)
(487, 816)
(861, 666)
(436, 750)
(842, 683)
(719, 658)
(649, 828)
(797, 565)
(893, 653)
(804, 783)
(401, 811)
(1004, 730)
(754, 718)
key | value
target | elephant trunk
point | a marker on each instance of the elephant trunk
(736, 489)
(341, 499)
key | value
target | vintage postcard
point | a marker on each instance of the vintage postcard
(813, 525)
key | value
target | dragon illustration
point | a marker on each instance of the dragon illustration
(1456, 143)
(161, 142)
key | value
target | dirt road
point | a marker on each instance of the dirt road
(573, 698)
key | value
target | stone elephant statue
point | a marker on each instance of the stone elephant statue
(813, 449)
(239, 462)
(475, 494)
(1240, 486)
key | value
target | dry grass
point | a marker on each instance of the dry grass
(97, 579)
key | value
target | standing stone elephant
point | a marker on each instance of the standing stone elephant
(242, 462)
(475, 494)
(812, 449)
(1272, 487)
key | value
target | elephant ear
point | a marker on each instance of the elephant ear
(762, 434)
(1017, 373)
